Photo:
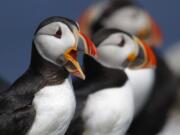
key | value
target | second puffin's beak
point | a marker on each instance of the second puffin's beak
(151, 34)
(84, 45)
(143, 57)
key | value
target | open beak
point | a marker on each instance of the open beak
(143, 57)
(84, 45)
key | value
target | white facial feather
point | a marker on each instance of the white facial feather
(110, 54)
(50, 47)
(130, 19)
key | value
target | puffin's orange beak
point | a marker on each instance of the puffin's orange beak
(143, 57)
(156, 37)
(72, 64)
(150, 56)
(84, 45)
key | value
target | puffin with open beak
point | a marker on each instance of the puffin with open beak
(149, 84)
(41, 101)
(105, 104)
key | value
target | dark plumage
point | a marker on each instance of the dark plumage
(17, 112)
(3, 85)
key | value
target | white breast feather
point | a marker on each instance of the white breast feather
(55, 106)
(109, 111)
(142, 82)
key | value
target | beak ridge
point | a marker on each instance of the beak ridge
(87, 46)
(150, 56)
(143, 58)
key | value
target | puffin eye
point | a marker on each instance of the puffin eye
(58, 33)
(135, 15)
(122, 43)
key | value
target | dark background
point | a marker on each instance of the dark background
(19, 19)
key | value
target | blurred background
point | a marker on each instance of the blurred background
(19, 20)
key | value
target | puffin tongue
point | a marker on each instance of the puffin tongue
(73, 54)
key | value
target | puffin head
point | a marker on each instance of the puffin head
(59, 40)
(135, 21)
(124, 15)
(118, 49)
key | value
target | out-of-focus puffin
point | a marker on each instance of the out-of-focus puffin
(105, 103)
(123, 14)
(172, 53)
(154, 89)
(41, 101)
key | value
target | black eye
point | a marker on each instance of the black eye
(122, 43)
(135, 15)
(58, 34)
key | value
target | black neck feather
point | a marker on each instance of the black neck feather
(93, 68)
(99, 77)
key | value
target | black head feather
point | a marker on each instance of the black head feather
(121, 3)
(70, 23)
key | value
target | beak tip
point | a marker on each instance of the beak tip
(83, 77)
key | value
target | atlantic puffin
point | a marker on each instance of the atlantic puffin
(41, 101)
(154, 89)
(105, 104)
(120, 14)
